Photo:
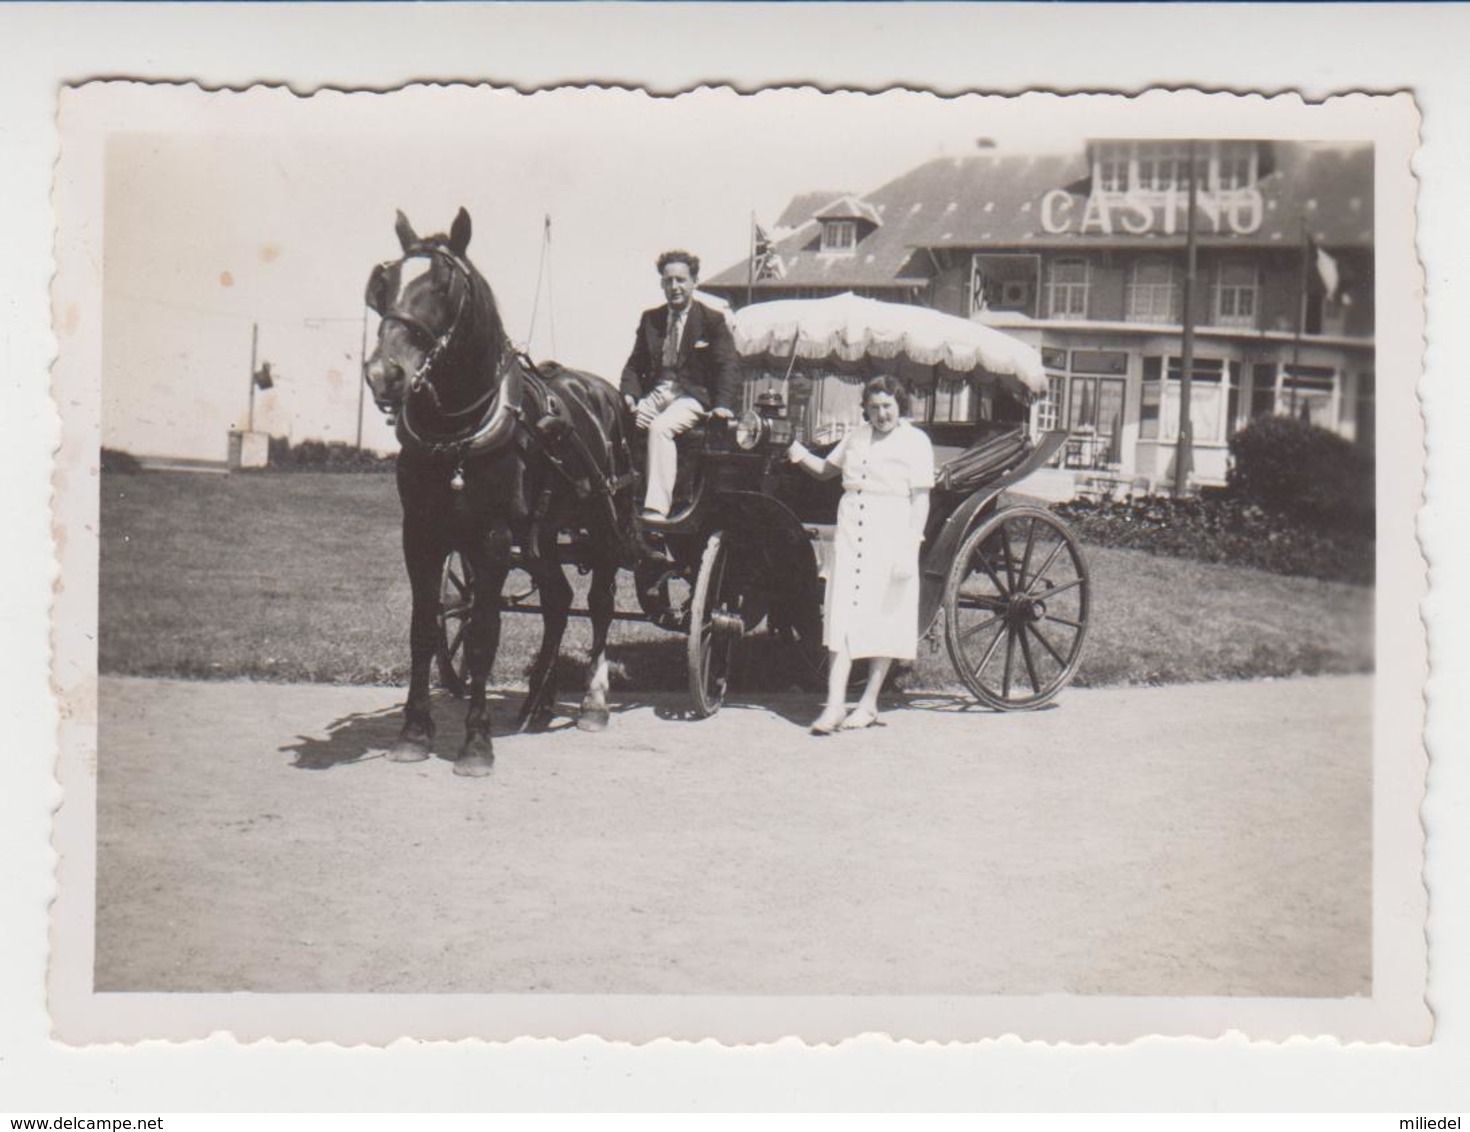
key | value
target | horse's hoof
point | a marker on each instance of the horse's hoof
(474, 766)
(476, 758)
(592, 719)
(408, 751)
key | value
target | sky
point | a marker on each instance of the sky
(224, 212)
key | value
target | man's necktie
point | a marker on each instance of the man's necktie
(671, 340)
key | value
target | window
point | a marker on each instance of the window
(1067, 288)
(1235, 166)
(1164, 167)
(1003, 282)
(839, 235)
(1049, 404)
(1111, 174)
(1214, 394)
(1308, 393)
(1152, 294)
(1235, 295)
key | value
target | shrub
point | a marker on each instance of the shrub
(116, 460)
(325, 456)
(1284, 465)
(1217, 526)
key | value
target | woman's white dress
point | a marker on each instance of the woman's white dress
(867, 608)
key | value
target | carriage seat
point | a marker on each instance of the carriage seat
(984, 461)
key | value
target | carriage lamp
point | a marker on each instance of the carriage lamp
(768, 421)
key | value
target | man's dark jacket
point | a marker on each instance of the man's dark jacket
(708, 368)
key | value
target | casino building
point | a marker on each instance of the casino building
(1083, 255)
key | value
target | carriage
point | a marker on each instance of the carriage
(1004, 583)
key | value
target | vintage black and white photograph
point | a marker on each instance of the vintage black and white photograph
(738, 565)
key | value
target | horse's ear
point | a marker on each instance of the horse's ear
(382, 287)
(459, 233)
(407, 237)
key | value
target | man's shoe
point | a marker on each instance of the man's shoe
(653, 546)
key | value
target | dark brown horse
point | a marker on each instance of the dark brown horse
(495, 455)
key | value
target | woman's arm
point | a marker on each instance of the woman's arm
(811, 463)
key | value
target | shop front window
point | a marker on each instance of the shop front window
(1214, 395)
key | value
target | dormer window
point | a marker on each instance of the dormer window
(1157, 167)
(839, 235)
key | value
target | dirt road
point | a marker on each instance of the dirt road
(1193, 840)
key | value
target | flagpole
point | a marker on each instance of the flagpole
(750, 266)
(1184, 449)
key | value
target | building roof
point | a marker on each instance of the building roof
(804, 206)
(850, 208)
(994, 200)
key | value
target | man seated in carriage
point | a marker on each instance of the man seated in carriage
(683, 367)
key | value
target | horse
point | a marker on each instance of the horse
(495, 453)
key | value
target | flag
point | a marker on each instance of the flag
(263, 379)
(767, 264)
(1326, 271)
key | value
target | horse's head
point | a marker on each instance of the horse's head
(421, 313)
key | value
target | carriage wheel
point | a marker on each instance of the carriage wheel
(1016, 604)
(720, 612)
(456, 599)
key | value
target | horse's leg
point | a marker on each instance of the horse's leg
(600, 600)
(556, 604)
(490, 560)
(423, 553)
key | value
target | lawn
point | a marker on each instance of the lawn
(299, 578)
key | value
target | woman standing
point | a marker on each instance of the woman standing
(872, 609)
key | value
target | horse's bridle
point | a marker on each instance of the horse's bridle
(434, 345)
(494, 427)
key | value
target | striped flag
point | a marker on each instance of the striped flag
(767, 263)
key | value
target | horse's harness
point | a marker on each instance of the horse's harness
(502, 403)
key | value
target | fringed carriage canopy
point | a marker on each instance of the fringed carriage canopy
(851, 335)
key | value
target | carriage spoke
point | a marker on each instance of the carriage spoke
(455, 641)
(1045, 566)
(1067, 621)
(1064, 587)
(1005, 541)
(1005, 675)
(1026, 555)
(1029, 660)
(989, 652)
(1047, 645)
(966, 634)
(999, 585)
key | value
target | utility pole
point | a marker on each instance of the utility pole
(1301, 319)
(1184, 450)
(254, 341)
(361, 378)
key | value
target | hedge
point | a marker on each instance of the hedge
(325, 456)
(1216, 526)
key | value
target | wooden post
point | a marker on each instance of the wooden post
(1184, 449)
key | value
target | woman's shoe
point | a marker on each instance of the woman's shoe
(829, 721)
(860, 719)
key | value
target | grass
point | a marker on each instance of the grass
(300, 578)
